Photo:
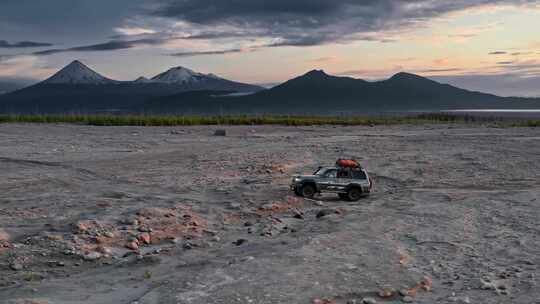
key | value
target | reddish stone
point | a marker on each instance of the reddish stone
(4, 236)
(101, 240)
(145, 238)
(133, 245)
(387, 293)
(103, 250)
(82, 227)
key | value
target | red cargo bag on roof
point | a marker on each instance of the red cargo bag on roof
(348, 163)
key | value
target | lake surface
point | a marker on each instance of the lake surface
(516, 113)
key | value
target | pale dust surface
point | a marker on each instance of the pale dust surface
(456, 205)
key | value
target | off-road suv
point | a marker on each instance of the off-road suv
(350, 183)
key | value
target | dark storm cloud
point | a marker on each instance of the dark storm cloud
(23, 44)
(107, 46)
(63, 19)
(313, 22)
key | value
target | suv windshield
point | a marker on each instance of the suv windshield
(320, 171)
(326, 172)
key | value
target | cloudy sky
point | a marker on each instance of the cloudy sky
(488, 45)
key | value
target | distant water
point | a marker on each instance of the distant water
(495, 111)
(510, 113)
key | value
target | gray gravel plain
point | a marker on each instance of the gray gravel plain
(177, 215)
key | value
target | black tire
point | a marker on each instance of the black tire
(354, 194)
(343, 196)
(308, 191)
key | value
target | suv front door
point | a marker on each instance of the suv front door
(328, 179)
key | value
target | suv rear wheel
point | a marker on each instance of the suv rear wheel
(308, 191)
(354, 194)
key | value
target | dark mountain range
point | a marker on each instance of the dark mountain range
(402, 92)
(179, 90)
(319, 93)
(10, 85)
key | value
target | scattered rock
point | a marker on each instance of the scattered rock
(486, 285)
(298, 214)
(130, 221)
(387, 293)
(53, 237)
(145, 229)
(369, 301)
(4, 240)
(16, 266)
(407, 299)
(240, 242)
(103, 250)
(144, 238)
(81, 227)
(323, 301)
(220, 132)
(461, 300)
(427, 284)
(133, 245)
(92, 256)
(325, 212)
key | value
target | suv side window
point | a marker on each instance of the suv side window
(359, 174)
(330, 174)
(344, 174)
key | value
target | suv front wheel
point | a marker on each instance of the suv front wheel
(354, 194)
(308, 191)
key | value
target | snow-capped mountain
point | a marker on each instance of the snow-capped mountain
(78, 73)
(175, 80)
(181, 75)
(78, 88)
(190, 80)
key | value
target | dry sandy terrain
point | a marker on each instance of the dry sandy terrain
(177, 215)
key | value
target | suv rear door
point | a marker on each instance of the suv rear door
(344, 179)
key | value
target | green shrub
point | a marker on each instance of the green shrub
(164, 120)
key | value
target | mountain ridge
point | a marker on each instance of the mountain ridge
(314, 92)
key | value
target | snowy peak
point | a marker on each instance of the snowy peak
(142, 80)
(77, 73)
(182, 75)
(178, 75)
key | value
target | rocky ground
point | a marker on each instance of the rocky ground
(178, 215)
